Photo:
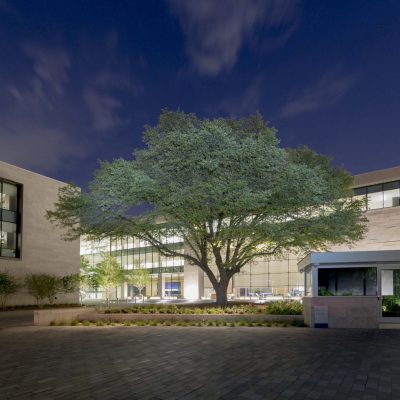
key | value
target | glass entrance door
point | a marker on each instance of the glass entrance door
(390, 293)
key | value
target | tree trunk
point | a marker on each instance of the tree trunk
(220, 291)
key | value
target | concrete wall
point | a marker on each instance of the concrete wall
(45, 317)
(383, 232)
(344, 312)
(193, 282)
(42, 249)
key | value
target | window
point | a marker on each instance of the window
(390, 284)
(172, 288)
(391, 194)
(375, 197)
(379, 196)
(10, 194)
(347, 282)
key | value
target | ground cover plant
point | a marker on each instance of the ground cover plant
(277, 308)
(205, 323)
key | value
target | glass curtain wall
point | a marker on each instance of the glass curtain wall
(165, 273)
(263, 278)
(10, 236)
(384, 195)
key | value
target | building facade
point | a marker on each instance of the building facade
(173, 277)
(29, 243)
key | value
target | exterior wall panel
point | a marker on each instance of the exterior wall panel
(42, 248)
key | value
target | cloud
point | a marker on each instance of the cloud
(37, 120)
(244, 104)
(104, 109)
(329, 89)
(50, 65)
(102, 98)
(37, 147)
(55, 111)
(47, 80)
(217, 30)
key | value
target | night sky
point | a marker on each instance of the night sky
(80, 79)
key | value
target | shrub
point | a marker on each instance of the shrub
(285, 308)
(99, 323)
(324, 292)
(8, 286)
(60, 323)
(42, 286)
(193, 309)
(86, 323)
(391, 306)
(299, 324)
(74, 322)
(68, 283)
(127, 323)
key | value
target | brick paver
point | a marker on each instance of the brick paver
(16, 318)
(198, 363)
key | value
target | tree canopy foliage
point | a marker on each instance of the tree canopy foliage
(108, 274)
(226, 187)
(138, 277)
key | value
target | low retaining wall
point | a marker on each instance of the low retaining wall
(44, 317)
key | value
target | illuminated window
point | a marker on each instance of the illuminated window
(10, 236)
(379, 196)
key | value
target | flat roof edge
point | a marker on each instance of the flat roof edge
(32, 172)
(336, 257)
(376, 177)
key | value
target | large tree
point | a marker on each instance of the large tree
(224, 186)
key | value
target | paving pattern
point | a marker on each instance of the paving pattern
(198, 363)
(16, 318)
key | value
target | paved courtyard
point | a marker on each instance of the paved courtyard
(198, 363)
